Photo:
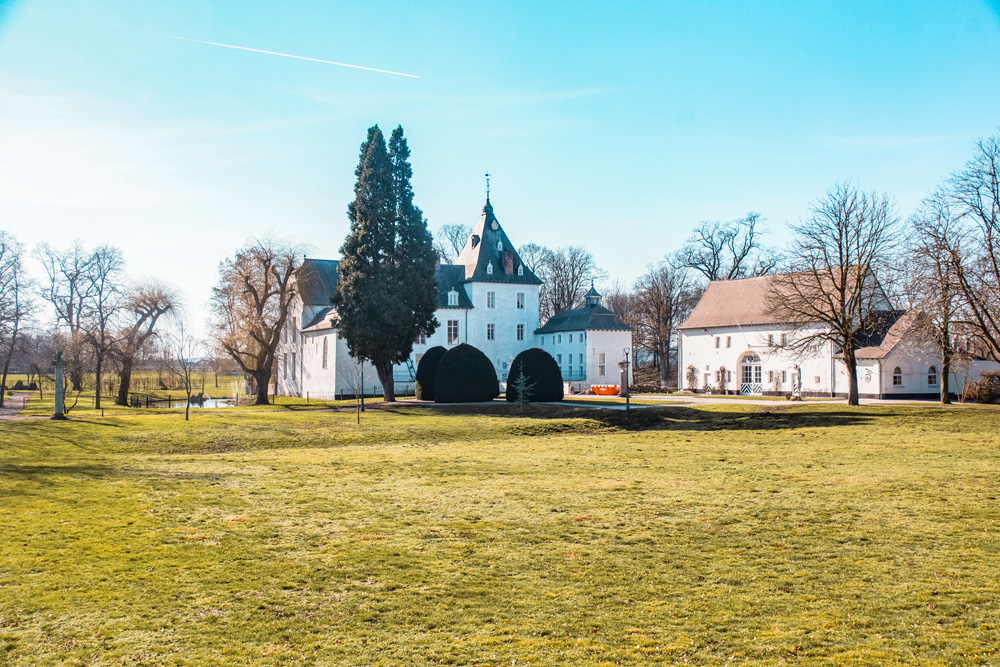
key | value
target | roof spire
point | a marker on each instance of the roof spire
(487, 187)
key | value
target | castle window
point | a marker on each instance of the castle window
(897, 377)
(520, 300)
(452, 331)
(932, 378)
(559, 359)
(489, 268)
(571, 338)
(324, 351)
(784, 339)
(601, 366)
(770, 340)
(520, 332)
(520, 270)
(543, 340)
(421, 340)
(499, 246)
(729, 341)
(491, 299)
(716, 342)
(491, 330)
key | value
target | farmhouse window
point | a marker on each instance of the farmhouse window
(729, 341)
(717, 342)
(491, 330)
(770, 376)
(770, 340)
(520, 300)
(897, 377)
(325, 351)
(784, 339)
(601, 366)
(784, 376)
(520, 332)
(452, 331)
(491, 299)
(932, 378)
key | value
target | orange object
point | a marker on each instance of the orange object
(604, 389)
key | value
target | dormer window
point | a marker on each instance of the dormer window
(499, 246)
(453, 298)
(520, 270)
(489, 268)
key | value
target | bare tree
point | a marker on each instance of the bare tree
(15, 304)
(570, 272)
(665, 295)
(450, 240)
(146, 304)
(105, 299)
(729, 250)
(180, 357)
(67, 288)
(538, 258)
(936, 290)
(251, 304)
(971, 241)
(624, 302)
(832, 295)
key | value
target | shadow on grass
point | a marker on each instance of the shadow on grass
(668, 417)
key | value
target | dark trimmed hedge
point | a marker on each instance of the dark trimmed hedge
(542, 371)
(426, 370)
(465, 375)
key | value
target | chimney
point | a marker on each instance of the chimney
(508, 262)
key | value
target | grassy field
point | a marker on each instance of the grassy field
(734, 534)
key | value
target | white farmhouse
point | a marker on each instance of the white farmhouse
(731, 341)
(488, 299)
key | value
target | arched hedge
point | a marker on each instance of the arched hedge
(426, 370)
(541, 372)
(465, 375)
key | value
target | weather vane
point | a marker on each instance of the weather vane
(487, 185)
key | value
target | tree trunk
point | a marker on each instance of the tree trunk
(945, 372)
(664, 363)
(98, 362)
(852, 374)
(261, 378)
(384, 371)
(124, 382)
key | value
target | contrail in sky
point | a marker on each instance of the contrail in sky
(227, 46)
(285, 55)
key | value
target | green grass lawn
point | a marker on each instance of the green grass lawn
(733, 534)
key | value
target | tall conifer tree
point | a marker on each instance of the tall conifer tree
(386, 293)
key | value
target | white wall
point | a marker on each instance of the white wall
(815, 369)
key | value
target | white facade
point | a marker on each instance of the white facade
(488, 299)
(730, 342)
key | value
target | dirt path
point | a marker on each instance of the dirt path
(12, 406)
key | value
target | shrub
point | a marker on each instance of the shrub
(986, 389)
(465, 375)
(426, 370)
(541, 372)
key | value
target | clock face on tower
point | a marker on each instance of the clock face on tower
(494, 226)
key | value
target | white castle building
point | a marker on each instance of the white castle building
(488, 299)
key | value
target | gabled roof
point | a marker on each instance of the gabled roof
(322, 321)
(481, 251)
(747, 301)
(890, 328)
(588, 318)
(316, 281)
(733, 303)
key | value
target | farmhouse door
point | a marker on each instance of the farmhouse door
(751, 374)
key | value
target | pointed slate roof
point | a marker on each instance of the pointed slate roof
(316, 281)
(490, 247)
(592, 317)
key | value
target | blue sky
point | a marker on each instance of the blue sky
(615, 126)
